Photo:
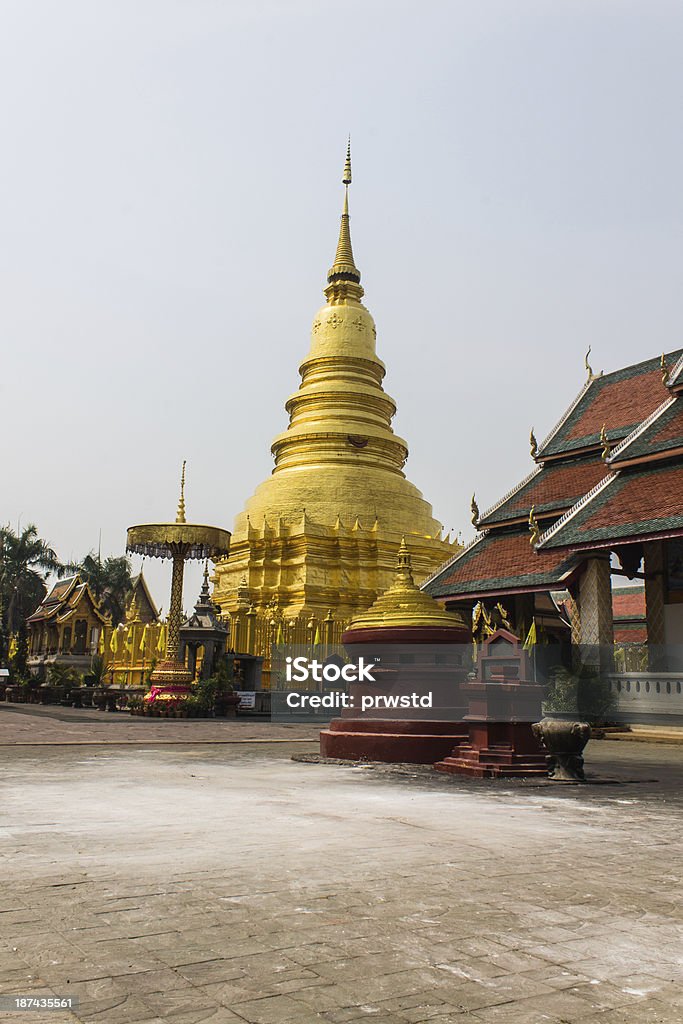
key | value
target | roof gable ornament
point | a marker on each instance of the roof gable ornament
(666, 373)
(474, 508)
(533, 443)
(534, 528)
(604, 441)
(589, 368)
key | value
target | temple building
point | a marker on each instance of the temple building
(319, 537)
(605, 499)
(66, 628)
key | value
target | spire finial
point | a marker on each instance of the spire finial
(347, 165)
(344, 268)
(180, 514)
(404, 564)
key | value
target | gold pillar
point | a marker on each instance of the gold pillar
(176, 609)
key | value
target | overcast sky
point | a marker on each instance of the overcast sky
(169, 204)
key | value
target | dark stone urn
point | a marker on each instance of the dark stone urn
(564, 742)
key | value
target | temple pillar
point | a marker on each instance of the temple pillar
(653, 562)
(596, 619)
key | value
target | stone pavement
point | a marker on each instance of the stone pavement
(33, 723)
(227, 883)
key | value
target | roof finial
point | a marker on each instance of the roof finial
(474, 508)
(665, 369)
(589, 369)
(604, 440)
(533, 443)
(180, 514)
(404, 565)
(344, 268)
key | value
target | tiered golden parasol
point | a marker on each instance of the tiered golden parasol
(180, 541)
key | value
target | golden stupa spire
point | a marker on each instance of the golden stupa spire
(344, 268)
(180, 514)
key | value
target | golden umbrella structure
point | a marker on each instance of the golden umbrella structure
(179, 541)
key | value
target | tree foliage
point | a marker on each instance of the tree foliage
(26, 561)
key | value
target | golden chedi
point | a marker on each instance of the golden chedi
(321, 533)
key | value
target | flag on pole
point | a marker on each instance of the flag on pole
(161, 639)
(316, 638)
(13, 646)
(114, 640)
(100, 642)
(530, 641)
(143, 637)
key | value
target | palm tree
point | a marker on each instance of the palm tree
(26, 561)
(110, 581)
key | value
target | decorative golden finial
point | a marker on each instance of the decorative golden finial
(534, 528)
(347, 165)
(180, 514)
(534, 444)
(474, 508)
(606, 447)
(589, 368)
(665, 370)
(404, 565)
(344, 268)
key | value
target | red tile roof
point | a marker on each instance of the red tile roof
(499, 562)
(628, 602)
(619, 400)
(664, 433)
(641, 503)
(555, 488)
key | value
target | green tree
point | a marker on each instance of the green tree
(110, 581)
(26, 561)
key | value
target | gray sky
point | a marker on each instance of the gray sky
(169, 207)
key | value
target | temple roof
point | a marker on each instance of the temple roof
(63, 600)
(498, 562)
(661, 434)
(625, 506)
(628, 608)
(620, 401)
(553, 488)
(141, 597)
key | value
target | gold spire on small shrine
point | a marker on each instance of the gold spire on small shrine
(404, 604)
(180, 514)
(344, 267)
(534, 528)
(533, 443)
(606, 447)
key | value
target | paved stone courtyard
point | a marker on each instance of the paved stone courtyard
(224, 882)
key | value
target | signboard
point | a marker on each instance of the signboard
(4, 673)
(247, 700)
